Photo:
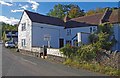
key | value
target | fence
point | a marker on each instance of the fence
(55, 52)
(37, 49)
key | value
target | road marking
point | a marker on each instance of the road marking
(28, 61)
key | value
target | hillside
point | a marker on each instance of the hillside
(6, 27)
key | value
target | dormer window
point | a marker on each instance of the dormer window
(23, 26)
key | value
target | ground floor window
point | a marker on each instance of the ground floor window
(68, 42)
(23, 41)
(75, 42)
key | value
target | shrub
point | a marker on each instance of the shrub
(87, 53)
(69, 51)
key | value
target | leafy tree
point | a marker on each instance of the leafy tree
(75, 12)
(90, 12)
(61, 10)
(6, 27)
(99, 10)
(104, 41)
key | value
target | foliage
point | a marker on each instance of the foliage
(6, 27)
(98, 10)
(61, 10)
(93, 38)
(87, 53)
(68, 51)
(104, 41)
(75, 12)
(105, 28)
(95, 67)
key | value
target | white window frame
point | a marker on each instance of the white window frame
(23, 42)
(68, 32)
(23, 27)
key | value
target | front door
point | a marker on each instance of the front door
(61, 43)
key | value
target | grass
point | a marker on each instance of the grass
(93, 67)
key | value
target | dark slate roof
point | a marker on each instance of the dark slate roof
(91, 20)
(75, 24)
(38, 18)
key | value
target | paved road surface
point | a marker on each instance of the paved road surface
(16, 64)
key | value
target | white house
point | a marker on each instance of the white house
(108, 16)
(36, 30)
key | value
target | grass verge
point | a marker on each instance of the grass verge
(93, 67)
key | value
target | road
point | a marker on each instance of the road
(16, 64)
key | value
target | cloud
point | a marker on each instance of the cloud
(5, 3)
(17, 10)
(20, 5)
(24, 7)
(10, 21)
(34, 4)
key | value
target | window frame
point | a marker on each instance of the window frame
(23, 42)
(23, 28)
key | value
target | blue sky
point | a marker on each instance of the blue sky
(13, 10)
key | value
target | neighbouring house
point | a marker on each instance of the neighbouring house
(99, 18)
(11, 36)
(36, 30)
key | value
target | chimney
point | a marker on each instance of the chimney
(106, 15)
(66, 18)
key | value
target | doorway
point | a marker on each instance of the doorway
(61, 42)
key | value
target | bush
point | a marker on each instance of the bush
(87, 53)
(69, 51)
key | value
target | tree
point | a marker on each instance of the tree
(75, 12)
(99, 10)
(61, 10)
(7, 27)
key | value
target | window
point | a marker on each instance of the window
(68, 42)
(94, 29)
(23, 41)
(68, 32)
(23, 26)
(10, 33)
(90, 29)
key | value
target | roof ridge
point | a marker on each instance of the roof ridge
(40, 18)
(86, 16)
(42, 14)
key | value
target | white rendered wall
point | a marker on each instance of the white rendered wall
(25, 34)
(40, 30)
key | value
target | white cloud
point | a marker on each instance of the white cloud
(10, 21)
(24, 7)
(34, 4)
(17, 10)
(5, 3)
(20, 5)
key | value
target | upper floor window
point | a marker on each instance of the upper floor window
(68, 32)
(23, 26)
(94, 29)
(10, 33)
(90, 29)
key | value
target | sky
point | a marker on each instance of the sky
(10, 12)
